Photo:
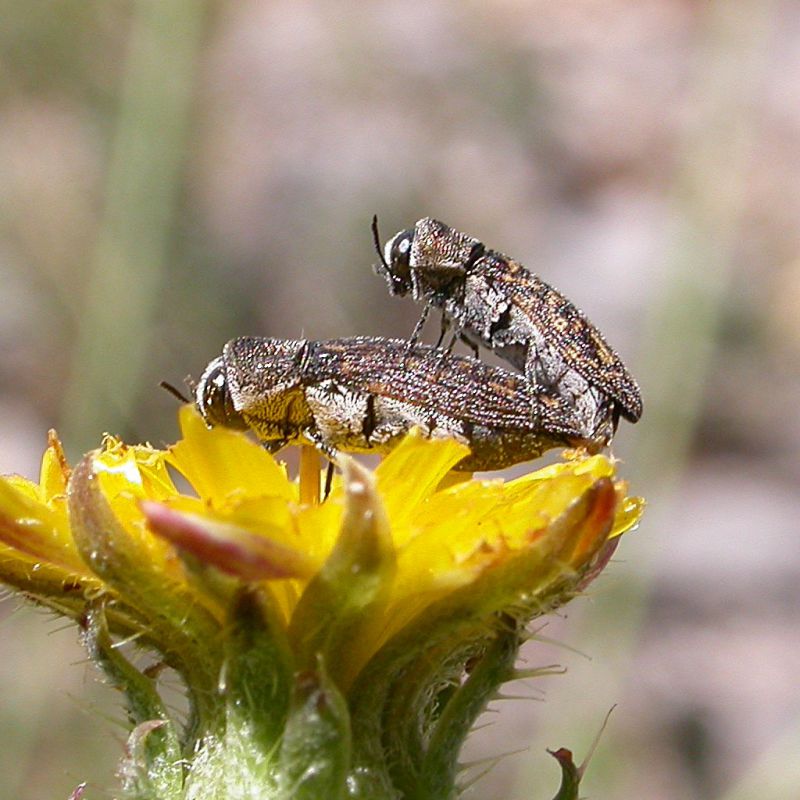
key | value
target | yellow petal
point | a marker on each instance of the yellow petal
(410, 474)
(55, 470)
(629, 512)
(35, 529)
(43, 580)
(221, 463)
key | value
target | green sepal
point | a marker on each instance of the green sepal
(347, 596)
(257, 678)
(394, 700)
(152, 767)
(176, 625)
(315, 754)
(238, 758)
(486, 673)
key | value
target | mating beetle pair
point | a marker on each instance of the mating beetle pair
(364, 393)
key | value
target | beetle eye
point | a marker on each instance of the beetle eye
(210, 391)
(213, 398)
(215, 388)
(398, 257)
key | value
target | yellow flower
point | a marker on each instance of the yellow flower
(384, 594)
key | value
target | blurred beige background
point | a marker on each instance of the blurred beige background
(174, 173)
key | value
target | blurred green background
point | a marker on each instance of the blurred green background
(174, 173)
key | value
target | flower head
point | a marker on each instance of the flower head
(365, 632)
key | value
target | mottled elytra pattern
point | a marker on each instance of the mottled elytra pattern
(459, 387)
(493, 301)
(364, 393)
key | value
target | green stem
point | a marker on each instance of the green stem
(153, 767)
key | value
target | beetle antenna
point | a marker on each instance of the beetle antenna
(377, 239)
(174, 392)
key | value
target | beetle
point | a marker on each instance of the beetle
(493, 301)
(363, 394)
